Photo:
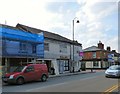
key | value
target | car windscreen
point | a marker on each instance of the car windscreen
(114, 68)
(19, 69)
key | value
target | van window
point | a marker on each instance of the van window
(19, 69)
(30, 69)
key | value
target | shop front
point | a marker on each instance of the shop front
(63, 65)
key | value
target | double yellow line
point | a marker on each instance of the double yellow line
(111, 89)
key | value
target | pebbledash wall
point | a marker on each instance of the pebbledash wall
(19, 47)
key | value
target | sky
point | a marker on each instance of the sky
(98, 18)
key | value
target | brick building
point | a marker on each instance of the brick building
(97, 57)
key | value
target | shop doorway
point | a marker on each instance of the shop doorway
(48, 63)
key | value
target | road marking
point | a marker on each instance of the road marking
(114, 87)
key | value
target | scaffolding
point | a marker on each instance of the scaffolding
(16, 43)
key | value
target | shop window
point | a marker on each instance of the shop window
(95, 64)
(66, 65)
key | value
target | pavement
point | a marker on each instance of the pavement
(76, 73)
(70, 74)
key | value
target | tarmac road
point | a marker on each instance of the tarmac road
(90, 82)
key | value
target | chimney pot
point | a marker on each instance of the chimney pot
(108, 48)
(100, 45)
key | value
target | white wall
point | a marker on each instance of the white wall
(89, 64)
(54, 53)
(54, 50)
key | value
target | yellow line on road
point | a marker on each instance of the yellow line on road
(111, 89)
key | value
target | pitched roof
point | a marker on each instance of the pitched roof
(7, 26)
(92, 48)
(47, 34)
(95, 48)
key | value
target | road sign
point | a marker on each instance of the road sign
(110, 57)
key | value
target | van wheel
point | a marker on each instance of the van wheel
(20, 81)
(43, 78)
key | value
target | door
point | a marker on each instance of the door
(61, 66)
(29, 73)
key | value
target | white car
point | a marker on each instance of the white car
(113, 71)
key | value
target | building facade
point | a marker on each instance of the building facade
(97, 57)
(19, 47)
(58, 51)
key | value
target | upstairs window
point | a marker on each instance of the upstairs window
(63, 48)
(33, 48)
(23, 47)
(46, 46)
(94, 54)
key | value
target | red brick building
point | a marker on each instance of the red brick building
(97, 57)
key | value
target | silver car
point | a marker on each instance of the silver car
(113, 71)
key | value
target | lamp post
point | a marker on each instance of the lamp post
(77, 21)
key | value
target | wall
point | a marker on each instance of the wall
(99, 54)
(54, 50)
(55, 54)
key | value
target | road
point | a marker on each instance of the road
(90, 82)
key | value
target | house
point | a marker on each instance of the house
(58, 53)
(97, 57)
(18, 47)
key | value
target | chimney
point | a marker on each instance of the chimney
(114, 51)
(108, 48)
(100, 45)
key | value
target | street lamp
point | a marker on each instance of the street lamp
(77, 21)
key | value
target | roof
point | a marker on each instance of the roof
(92, 48)
(13, 33)
(7, 26)
(47, 34)
(95, 48)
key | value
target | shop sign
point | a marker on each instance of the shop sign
(110, 57)
(80, 53)
(63, 57)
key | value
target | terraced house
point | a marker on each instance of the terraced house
(58, 53)
(97, 57)
(24, 44)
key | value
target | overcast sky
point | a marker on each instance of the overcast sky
(98, 18)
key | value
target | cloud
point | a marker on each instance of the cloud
(98, 20)
(94, 26)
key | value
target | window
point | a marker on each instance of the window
(34, 49)
(30, 69)
(23, 47)
(66, 65)
(94, 54)
(46, 46)
(95, 63)
(63, 65)
(63, 48)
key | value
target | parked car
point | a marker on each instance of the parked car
(113, 71)
(22, 74)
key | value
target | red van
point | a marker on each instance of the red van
(31, 72)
